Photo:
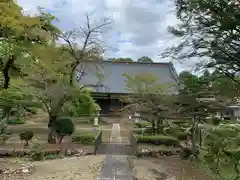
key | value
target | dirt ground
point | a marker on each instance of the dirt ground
(82, 168)
(166, 168)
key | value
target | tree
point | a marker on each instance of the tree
(48, 81)
(91, 48)
(149, 97)
(209, 29)
(223, 150)
(144, 59)
(18, 33)
(196, 100)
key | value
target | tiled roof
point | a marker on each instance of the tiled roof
(107, 76)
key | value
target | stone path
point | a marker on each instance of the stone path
(115, 135)
(115, 167)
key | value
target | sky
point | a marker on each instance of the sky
(139, 27)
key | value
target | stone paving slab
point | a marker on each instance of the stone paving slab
(115, 167)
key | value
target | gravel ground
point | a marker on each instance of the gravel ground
(166, 168)
(75, 168)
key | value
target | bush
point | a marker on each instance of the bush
(4, 137)
(26, 136)
(63, 127)
(16, 121)
(186, 153)
(216, 121)
(141, 124)
(159, 140)
(181, 135)
(88, 139)
(37, 152)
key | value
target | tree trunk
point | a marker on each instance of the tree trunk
(153, 127)
(6, 69)
(52, 120)
(160, 126)
(194, 136)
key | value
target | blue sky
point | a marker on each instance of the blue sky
(139, 27)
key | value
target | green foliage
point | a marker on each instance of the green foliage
(82, 104)
(222, 143)
(145, 59)
(158, 140)
(15, 121)
(63, 127)
(87, 139)
(15, 98)
(37, 152)
(218, 19)
(177, 132)
(186, 153)
(141, 124)
(216, 121)
(26, 136)
(4, 136)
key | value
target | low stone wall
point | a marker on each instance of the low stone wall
(157, 153)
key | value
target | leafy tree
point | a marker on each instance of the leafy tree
(19, 33)
(196, 100)
(222, 149)
(209, 29)
(48, 81)
(150, 98)
(145, 59)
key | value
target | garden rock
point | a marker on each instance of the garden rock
(4, 153)
(27, 169)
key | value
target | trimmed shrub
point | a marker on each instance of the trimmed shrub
(37, 152)
(216, 121)
(137, 131)
(159, 140)
(26, 136)
(63, 127)
(16, 121)
(181, 135)
(141, 124)
(87, 139)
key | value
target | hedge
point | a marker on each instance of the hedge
(159, 140)
(87, 139)
(16, 121)
(141, 124)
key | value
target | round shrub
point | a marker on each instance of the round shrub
(26, 136)
(63, 127)
(16, 121)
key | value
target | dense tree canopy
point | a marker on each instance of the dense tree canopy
(210, 32)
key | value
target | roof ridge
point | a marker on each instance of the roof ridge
(130, 62)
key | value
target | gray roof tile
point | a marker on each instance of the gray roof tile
(109, 75)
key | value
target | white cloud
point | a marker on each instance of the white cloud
(139, 27)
